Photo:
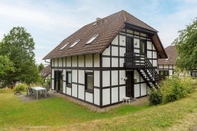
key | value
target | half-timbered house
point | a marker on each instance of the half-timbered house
(167, 66)
(109, 59)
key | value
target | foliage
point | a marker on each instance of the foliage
(176, 88)
(186, 46)
(5, 90)
(40, 67)
(5, 65)
(155, 97)
(20, 87)
(172, 89)
(18, 46)
(48, 81)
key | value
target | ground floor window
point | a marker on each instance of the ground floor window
(194, 73)
(68, 78)
(163, 74)
(89, 83)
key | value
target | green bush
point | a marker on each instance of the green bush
(172, 89)
(5, 90)
(155, 97)
(20, 87)
(176, 88)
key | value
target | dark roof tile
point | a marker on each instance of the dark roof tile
(171, 53)
(107, 28)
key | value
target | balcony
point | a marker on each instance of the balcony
(134, 61)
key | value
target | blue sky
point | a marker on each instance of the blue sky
(51, 21)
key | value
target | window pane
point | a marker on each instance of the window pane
(89, 81)
(69, 78)
(142, 46)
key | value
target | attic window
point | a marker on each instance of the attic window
(74, 43)
(64, 46)
(92, 39)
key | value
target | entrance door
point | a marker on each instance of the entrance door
(130, 84)
(58, 81)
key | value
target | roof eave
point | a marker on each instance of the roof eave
(159, 46)
(139, 28)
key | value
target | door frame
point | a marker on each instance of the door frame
(58, 81)
(130, 83)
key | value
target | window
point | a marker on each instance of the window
(68, 79)
(74, 43)
(163, 74)
(142, 46)
(89, 81)
(92, 39)
(64, 46)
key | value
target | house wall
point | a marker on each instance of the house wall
(79, 65)
(108, 72)
(165, 70)
(113, 74)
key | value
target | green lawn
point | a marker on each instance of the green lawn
(53, 112)
(61, 114)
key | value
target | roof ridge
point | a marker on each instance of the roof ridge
(138, 20)
(123, 12)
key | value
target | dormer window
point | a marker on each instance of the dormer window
(64, 46)
(92, 39)
(74, 43)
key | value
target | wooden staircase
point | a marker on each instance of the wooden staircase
(144, 67)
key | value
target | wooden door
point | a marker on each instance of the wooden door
(130, 84)
(58, 81)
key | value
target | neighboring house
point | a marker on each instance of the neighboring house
(166, 66)
(107, 60)
(46, 73)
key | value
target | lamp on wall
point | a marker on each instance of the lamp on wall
(124, 78)
(136, 42)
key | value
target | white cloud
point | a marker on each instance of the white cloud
(50, 21)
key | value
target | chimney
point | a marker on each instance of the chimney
(97, 19)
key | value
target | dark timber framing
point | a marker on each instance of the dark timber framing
(110, 63)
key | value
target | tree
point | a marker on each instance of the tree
(186, 45)
(5, 65)
(18, 45)
(40, 67)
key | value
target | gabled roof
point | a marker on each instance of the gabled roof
(107, 28)
(171, 53)
(45, 71)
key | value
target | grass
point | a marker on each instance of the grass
(61, 114)
(53, 112)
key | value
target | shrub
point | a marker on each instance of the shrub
(155, 97)
(5, 90)
(176, 88)
(172, 89)
(20, 87)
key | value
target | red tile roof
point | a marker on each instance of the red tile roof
(107, 28)
(171, 53)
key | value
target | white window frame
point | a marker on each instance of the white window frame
(92, 39)
(77, 41)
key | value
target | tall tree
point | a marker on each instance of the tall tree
(18, 45)
(5, 65)
(40, 67)
(186, 45)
